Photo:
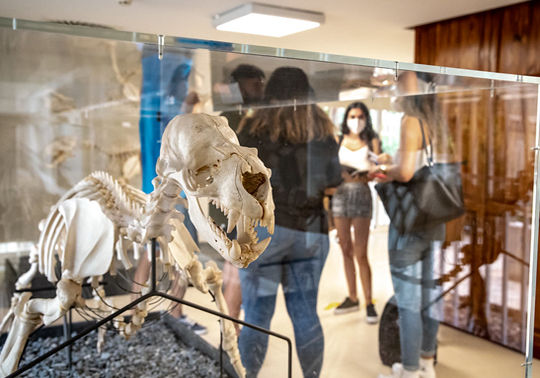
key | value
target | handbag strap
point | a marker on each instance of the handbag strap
(429, 154)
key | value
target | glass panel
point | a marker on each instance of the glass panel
(71, 105)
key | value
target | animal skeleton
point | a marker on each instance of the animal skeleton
(59, 150)
(126, 156)
(200, 155)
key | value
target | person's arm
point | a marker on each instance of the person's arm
(409, 144)
(376, 145)
(330, 191)
(191, 100)
(333, 170)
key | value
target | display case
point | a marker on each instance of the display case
(76, 99)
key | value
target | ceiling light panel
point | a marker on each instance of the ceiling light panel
(267, 20)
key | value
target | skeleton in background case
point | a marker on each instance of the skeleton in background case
(200, 155)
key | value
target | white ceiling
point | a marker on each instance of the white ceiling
(365, 28)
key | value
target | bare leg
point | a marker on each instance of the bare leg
(232, 292)
(343, 226)
(361, 237)
(141, 275)
(179, 293)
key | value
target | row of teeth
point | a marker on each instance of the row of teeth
(234, 216)
(249, 225)
(219, 231)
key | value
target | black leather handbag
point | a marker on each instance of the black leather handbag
(432, 197)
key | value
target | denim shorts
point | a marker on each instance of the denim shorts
(352, 200)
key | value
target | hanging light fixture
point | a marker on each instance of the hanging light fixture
(268, 20)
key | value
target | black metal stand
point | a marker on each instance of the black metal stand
(153, 293)
(67, 335)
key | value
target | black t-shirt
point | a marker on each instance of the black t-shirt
(300, 174)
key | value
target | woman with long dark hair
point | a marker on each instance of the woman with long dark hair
(412, 253)
(295, 139)
(352, 205)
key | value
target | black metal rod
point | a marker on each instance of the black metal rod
(78, 336)
(220, 349)
(51, 288)
(67, 335)
(153, 259)
(447, 291)
(153, 293)
(70, 323)
(223, 316)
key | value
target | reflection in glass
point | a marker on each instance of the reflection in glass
(297, 143)
(71, 105)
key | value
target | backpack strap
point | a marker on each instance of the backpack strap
(424, 145)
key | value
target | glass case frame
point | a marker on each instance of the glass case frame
(476, 80)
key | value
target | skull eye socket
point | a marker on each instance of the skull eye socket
(252, 182)
(204, 175)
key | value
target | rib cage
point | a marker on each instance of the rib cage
(121, 203)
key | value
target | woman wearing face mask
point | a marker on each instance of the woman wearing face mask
(352, 204)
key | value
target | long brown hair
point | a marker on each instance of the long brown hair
(426, 107)
(290, 116)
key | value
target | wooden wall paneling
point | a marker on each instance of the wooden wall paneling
(426, 43)
(469, 39)
(495, 132)
(491, 40)
(514, 47)
(498, 163)
(533, 56)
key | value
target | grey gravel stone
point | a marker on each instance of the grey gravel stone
(154, 352)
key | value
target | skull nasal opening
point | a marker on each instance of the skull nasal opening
(252, 182)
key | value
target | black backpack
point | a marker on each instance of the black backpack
(389, 340)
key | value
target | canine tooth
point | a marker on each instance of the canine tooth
(235, 252)
(271, 227)
(260, 247)
(233, 219)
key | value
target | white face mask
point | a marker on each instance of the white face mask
(356, 125)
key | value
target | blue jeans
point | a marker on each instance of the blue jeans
(416, 291)
(294, 259)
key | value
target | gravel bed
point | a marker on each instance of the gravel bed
(153, 352)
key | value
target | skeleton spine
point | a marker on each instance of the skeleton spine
(116, 199)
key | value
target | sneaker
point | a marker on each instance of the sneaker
(427, 368)
(372, 317)
(193, 325)
(399, 372)
(347, 306)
